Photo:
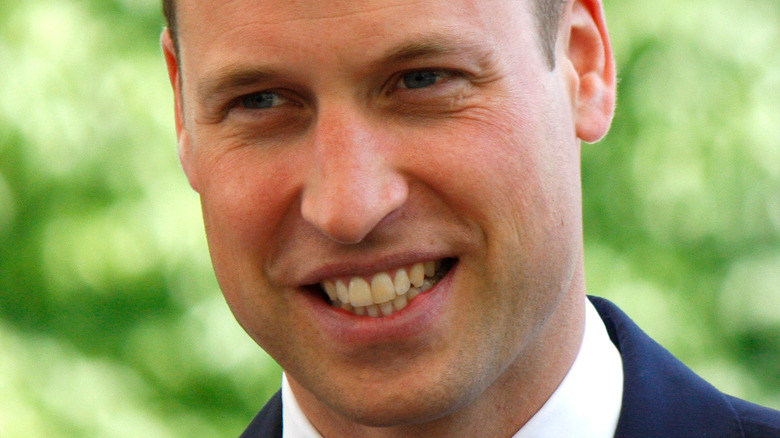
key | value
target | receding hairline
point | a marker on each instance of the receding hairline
(547, 12)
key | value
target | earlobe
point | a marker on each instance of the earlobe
(186, 159)
(590, 54)
(182, 136)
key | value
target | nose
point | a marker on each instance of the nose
(354, 184)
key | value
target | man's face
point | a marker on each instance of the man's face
(336, 143)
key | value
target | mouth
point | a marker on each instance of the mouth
(384, 293)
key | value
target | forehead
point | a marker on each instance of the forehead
(290, 11)
(317, 25)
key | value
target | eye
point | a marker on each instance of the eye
(421, 78)
(261, 100)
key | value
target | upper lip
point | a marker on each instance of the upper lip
(347, 268)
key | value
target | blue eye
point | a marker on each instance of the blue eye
(420, 79)
(262, 100)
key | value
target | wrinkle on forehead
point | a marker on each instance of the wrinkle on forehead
(296, 11)
(271, 12)
(339, 10)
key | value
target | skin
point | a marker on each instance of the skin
(351, 173)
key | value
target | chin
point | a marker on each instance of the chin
(399, 413)
(403, 405)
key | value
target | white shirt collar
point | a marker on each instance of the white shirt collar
(588, 400)
(294, 422)
(586, 404)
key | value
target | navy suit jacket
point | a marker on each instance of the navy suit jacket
(661, 397)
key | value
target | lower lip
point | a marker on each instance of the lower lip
(417, 318)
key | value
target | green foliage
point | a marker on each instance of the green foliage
(111, 323)
(682, 206)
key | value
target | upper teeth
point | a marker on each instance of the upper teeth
(383, 293)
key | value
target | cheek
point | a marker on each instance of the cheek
(498, 162)
(245, 195)
(244, 201)
(515, 173)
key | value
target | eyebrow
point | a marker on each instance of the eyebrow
(231, 77)
(431, 45)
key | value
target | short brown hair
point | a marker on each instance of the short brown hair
(548, 15)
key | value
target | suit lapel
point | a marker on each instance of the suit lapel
(268, 422)
(661, 396)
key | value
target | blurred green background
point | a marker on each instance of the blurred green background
(111, 323)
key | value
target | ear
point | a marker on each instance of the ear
(182, 135)
(590, 55)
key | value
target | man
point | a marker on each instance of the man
(391, 194)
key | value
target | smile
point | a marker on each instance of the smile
(384, 293)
